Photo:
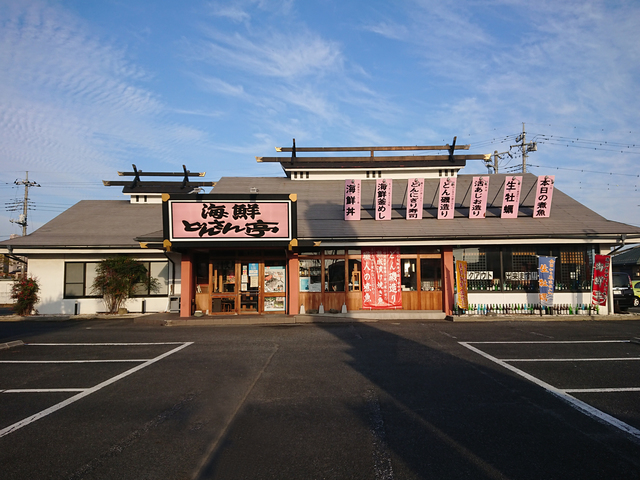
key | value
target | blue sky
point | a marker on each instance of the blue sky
(89, 88)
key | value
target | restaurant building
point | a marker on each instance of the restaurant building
(335, 234)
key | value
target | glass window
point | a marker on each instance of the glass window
(355, 275)
(310, 275)
(338, 251)
(333, 275)
(74, 280)
(275, 280)
(483, 267)
(430, 274)
(520, 269)
(409, 274)
(224, 276)
(574, 272)
(159, 271)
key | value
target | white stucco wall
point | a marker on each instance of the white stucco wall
(49, 271)
(5, 291)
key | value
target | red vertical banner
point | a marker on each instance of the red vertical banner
(447, 198)
(479, 195)
(544, 194)
(461, 282)
(381, 287)
(383, 199)
(415, 198)
(511, 198)
(352, 199)
(600, 282)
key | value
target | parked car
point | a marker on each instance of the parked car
(636, 293)
(623, 296)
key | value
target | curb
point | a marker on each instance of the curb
(15, 343)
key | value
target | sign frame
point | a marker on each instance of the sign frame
(171, 238)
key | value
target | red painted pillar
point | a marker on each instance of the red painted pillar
(294, 283)
(187, 285)
(448, 280)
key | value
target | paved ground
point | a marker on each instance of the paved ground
(358, 401)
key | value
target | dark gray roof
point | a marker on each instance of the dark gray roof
(320, 212)
(630, 256)
(118, 223)
(95, 223)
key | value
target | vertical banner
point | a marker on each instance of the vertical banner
(447, 198)
(479, 194)
(383, 199)
(415, 196)
(600, 283)
(381, 287)
(544, 194)
(352, 199)
(546, 279)
(461, 281)
(511, 198)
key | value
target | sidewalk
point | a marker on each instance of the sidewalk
(174, 319)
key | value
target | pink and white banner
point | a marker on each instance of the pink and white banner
(447, 198)
(383, 199)
(415, 196)
(381, 282)
(544, 194)
(352, 200)
(479, 194)
(511, 198)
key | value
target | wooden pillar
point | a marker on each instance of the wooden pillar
(293, 268)
(187, 285)
(448, 280)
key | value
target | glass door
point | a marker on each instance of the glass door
(250, 287)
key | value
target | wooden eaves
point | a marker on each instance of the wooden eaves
(372, 158)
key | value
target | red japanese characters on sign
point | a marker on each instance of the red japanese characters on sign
(447, 198)
(511, 198)
(352, 200)
(414, 201)
(383, 199)
(381, 282)
(544, 194)
(600, 283)
(479, 194)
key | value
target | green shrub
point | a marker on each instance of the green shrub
(117, 278)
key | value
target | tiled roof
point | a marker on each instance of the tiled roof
(320, 212)
(115, 223)
(96, 223)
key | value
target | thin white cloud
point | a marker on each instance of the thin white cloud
(274, 54)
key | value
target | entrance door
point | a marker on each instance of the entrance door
(250, 291)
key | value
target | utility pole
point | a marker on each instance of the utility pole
(496, 157)
(22, 220)
(521, 143)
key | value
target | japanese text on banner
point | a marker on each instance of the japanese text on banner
(546, 279)
(511, 197)
(600, 283)
(352, 199)
(447, 198)
(381, 287)
(461, 281)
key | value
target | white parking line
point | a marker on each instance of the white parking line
(602, 359)
(560, 393)
(85, 392)
(76, 361)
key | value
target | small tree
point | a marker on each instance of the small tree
(25, 293)
(117, 279)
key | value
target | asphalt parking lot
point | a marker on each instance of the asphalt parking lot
(112, 399)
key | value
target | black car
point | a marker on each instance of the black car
(622, 291)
